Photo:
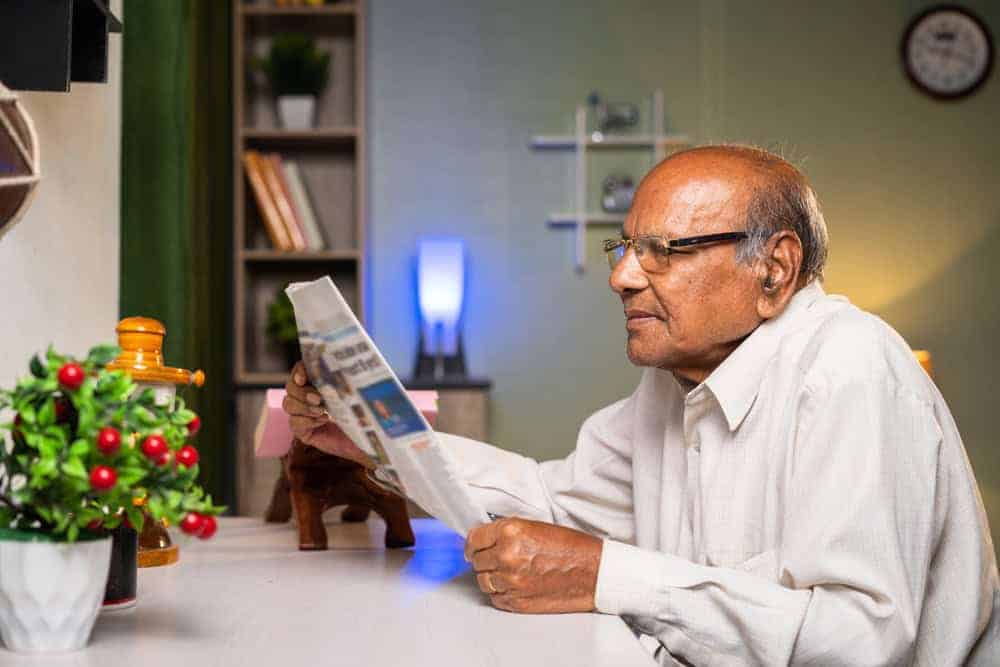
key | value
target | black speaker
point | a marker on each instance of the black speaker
(46, 44)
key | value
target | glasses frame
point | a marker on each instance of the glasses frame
(671, 246)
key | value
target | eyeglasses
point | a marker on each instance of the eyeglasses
(653, 252)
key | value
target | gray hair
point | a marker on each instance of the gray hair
(782, 199)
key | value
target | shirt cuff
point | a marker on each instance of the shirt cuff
(628, 580)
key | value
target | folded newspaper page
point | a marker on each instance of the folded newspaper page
(367, 401)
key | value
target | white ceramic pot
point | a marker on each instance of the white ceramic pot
(51, 592)
(297, 112)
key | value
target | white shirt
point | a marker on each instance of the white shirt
(809, 503)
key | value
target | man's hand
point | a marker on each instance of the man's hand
(533, 567)
(312, 425)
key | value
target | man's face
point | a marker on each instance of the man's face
(688, 318)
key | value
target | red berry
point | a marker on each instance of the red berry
(187, 456)
(193, 523)
(194, 425)
(103, 478)
(71, 376)
(163, 459)
(154, 446)
(109, 440)
(95, 524)
(208, 528)
(64, 410)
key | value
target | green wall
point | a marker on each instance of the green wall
(908, 184)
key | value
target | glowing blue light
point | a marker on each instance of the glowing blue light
(440, 286)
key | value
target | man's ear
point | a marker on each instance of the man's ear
(778, 273)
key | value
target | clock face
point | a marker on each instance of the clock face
(947, 52)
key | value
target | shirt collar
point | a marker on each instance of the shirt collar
(736, 381)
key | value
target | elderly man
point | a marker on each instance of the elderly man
(785, 485)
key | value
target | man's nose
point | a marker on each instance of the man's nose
(627, 276)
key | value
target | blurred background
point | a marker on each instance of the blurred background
(457, 119)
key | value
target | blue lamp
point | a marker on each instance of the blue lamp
(440, 289)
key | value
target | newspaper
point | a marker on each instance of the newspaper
(366, 400)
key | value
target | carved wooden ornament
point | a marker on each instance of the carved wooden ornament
(19, 160)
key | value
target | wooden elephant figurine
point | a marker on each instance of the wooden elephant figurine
(313, 481)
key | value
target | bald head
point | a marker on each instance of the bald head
(771, 194)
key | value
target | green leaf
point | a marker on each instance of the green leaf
(174, 499)
(38, 369)
(182, 417)
(146, 417)
(130, 475)
(49, 447)
(135, 517)
(53, 358)
(47, 415)
(102, 355)
(28, 414)
(80, 447)
(72, 532)
(156, 506)
(74, 468)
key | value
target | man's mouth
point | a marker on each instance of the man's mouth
(636, 317)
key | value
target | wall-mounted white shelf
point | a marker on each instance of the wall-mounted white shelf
(580, 142)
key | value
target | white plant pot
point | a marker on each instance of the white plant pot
(51, 592)
(297, 112)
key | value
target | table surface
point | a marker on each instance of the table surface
(249, 597)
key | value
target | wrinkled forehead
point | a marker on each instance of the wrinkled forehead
(678, 204)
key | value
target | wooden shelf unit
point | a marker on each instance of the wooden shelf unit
(327, 135)
(332, 159)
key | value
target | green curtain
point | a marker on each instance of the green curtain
(177, 202)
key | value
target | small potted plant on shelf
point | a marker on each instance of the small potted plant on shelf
(298, 72)
(281, 327)
(83, 453)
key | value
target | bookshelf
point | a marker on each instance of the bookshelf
(332, 161)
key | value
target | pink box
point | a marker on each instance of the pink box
(273, 436)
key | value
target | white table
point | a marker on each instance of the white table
(248, 597)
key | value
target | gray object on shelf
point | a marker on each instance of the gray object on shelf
(613, 116)
(618, 191)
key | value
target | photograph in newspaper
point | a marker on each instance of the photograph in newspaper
(392, 409)
(366, 400)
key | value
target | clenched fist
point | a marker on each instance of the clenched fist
(312, 425)
(533, 567)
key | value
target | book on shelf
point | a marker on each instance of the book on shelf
(271, 166)
(303, 206)
(253, 165)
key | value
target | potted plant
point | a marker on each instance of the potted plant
(281, 327)
(297, 71)
(84, 453)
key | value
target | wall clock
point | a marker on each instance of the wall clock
(947, 52)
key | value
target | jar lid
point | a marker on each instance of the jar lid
(141, 342)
